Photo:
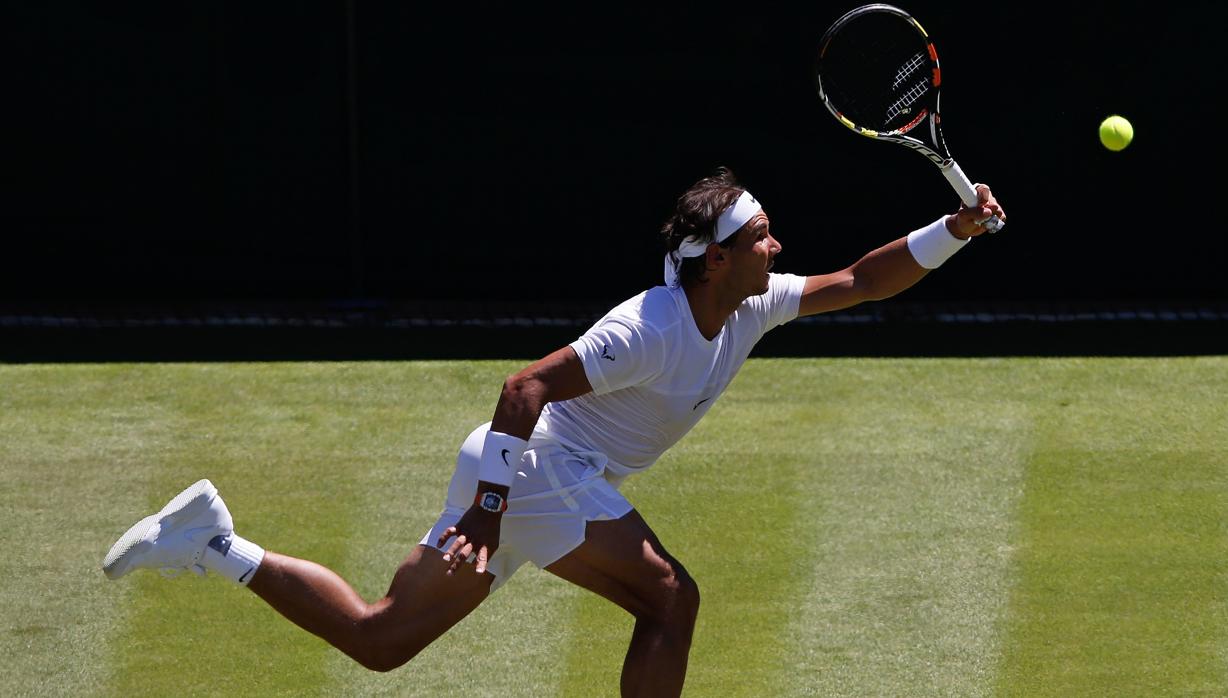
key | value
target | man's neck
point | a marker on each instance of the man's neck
(711, 306)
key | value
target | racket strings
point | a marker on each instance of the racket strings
(862, 56)
(876, 70)
(903, 105)
(911, 66)
(850, 72)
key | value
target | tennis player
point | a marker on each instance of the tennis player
(540, 483)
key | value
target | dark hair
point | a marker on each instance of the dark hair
(695, 213)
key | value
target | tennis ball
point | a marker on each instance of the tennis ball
(1116, 133)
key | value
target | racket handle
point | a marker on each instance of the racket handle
(967, 193)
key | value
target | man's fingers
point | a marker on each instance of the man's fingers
(452, 549)
(447, 533)
(483, 556)
(457, 558)
(443, 537)
(986, 201)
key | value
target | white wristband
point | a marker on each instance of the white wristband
(934, 244)
(501, 454)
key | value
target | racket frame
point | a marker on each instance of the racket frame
(939, 154)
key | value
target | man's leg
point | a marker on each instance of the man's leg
(422, 603)
(194, 531)
(624, 562)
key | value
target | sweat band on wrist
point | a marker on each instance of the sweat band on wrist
(501, 454)
(934, 244)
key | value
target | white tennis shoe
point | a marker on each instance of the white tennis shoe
(172, 539)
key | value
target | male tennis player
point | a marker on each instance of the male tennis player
(540, 482)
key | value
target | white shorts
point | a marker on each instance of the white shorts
(554, 494)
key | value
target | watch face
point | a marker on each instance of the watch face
(492, 502)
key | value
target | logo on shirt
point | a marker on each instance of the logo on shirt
(700, 403)
(605, 352)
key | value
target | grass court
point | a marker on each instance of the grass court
(858, 527)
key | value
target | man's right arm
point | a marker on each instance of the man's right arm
(558, 376)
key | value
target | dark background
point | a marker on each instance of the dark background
(381, 155)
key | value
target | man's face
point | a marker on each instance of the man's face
(753, 255)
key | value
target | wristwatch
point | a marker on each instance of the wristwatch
(491, 501)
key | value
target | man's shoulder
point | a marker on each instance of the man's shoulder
(655, 308)
(780, 286)
(776, 306)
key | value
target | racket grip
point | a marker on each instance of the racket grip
(967, 193)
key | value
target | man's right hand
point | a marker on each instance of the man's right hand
(477, 533)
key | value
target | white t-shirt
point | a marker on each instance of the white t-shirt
(654, 375)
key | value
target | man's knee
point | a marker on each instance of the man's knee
(372, 645)
(378, 656)
(380, 662)
(676, 599)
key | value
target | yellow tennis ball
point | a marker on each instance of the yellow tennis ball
(1116, 133)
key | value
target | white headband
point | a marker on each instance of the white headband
(730, 220)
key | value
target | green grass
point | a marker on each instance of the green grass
(857, 527)
(1123, 557)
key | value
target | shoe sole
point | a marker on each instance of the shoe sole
(188, 503)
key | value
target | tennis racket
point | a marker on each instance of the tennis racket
(877, 73)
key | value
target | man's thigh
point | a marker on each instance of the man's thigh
(423, 601)
(621, 560)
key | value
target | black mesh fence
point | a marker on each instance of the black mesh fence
(413, 175)
(466, 330)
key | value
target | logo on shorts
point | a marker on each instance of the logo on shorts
(700, 403)
(605, 349)
(504, 454)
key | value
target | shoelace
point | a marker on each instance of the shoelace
(175, 572)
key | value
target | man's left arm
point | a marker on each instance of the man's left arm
(899, 264)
